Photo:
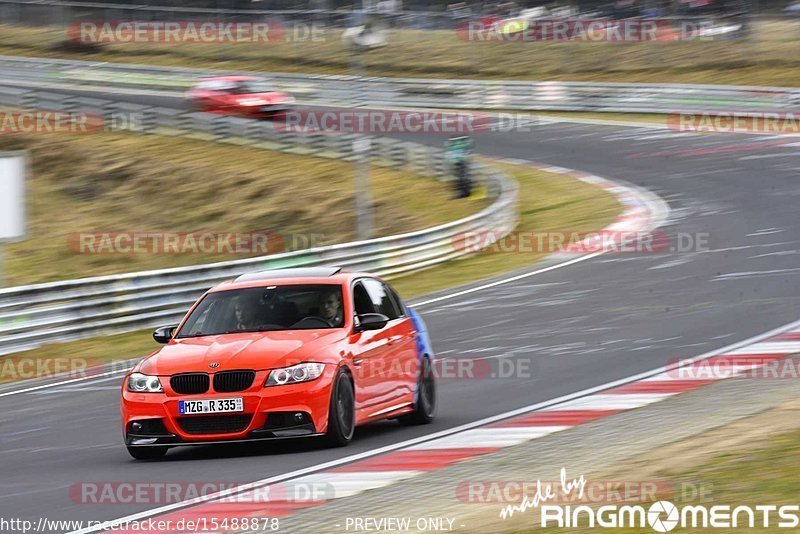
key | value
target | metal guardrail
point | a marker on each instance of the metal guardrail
(431, 93)
(34, 315)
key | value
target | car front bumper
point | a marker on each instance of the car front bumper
(269, 413)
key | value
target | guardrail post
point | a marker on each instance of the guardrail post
(319, 142)
(344, 146)
(269, 136)
(28, 100)
(12, 97)
(220, 128)
(185, 122)
(440, 166)
(399, 154)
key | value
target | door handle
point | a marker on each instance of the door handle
(358, 362)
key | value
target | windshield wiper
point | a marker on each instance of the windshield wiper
(196, 334)
(225, 332)
(249, 330)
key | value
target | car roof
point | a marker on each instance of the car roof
(292, 276)
(238, 78)
(303, 272)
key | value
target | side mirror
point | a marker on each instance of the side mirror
(164, 334)
(371, 321)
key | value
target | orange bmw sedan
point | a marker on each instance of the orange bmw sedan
(281, 354)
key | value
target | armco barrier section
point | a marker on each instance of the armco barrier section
(31, 316)
(436, 93)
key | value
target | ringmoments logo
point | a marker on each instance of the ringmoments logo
(665, 516)
(661, 516)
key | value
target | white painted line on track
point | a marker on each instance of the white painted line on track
(65, 382)
(507, 280)
(349, 484)
(489, 437)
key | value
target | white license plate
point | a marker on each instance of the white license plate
(189, 407)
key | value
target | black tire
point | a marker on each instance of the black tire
(425, 407)
(342, 412)
(147, 453)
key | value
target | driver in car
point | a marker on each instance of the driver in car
(243, 316)
(330, 306)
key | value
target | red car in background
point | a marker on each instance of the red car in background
(247, 96)
(281, 354)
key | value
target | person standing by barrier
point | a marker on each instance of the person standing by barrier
(459, 152)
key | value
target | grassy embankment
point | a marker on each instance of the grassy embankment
(771, 56)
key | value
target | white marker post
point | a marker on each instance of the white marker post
(13, 171)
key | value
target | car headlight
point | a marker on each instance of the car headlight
(139, 383)
(302, 372)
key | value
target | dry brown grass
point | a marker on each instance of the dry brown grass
(546, 201)
(126, 183)
(771, 57)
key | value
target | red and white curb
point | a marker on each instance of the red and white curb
(381, 470)
(642, 210)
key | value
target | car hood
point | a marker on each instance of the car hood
(261, 99)
(257, 350)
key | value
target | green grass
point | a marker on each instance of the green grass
(770, 57)
(116, 182)
(547, 201)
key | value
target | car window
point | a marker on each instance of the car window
(361, 301)
(258, 309)
(203, 314)
(214, 85)
(397, 300)
(250, 87)
(381, 299)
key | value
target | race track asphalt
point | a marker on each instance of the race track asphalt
(583, 325)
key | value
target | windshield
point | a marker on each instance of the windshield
(250, 87)
(258, 309)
